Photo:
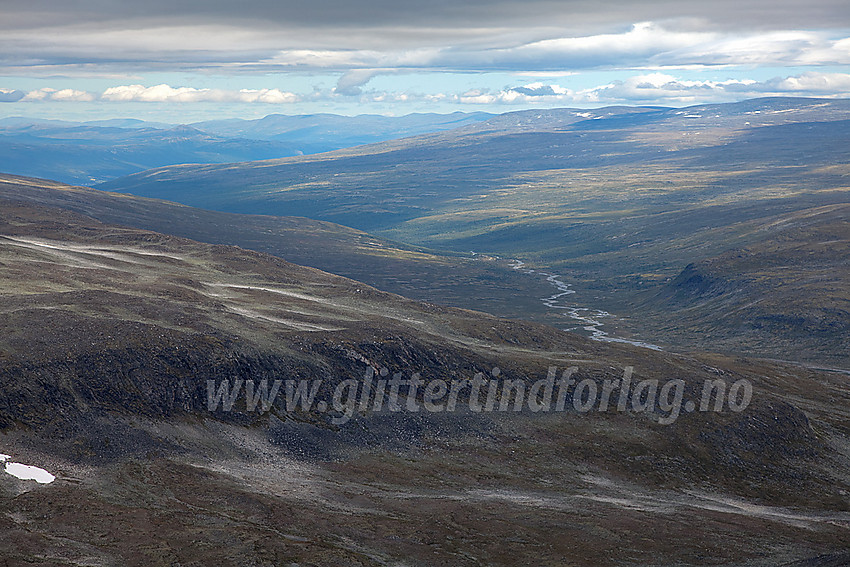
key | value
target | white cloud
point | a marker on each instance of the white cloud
(814, 83)
(779, 48)
(270, 96)
(661, 88)
(644, 39)
(158, 93)
(655, 88)
(651, 44)
(40, 94)
(62, 95)
(72, 95)
(167, 93)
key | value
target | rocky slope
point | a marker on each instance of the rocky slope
(477, 282)
(111, 334)
(786, 294)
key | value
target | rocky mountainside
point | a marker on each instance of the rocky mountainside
(786, 293)
(461, 280)
(111, 337)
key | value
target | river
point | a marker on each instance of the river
(588, 319)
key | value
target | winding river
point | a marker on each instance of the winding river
(588, 319)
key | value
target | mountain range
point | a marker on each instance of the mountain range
(101, 150)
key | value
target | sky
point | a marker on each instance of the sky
(190, 60)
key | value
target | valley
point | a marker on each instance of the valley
(157, 329)
(396, 283)
(111, 334)
(620, 200)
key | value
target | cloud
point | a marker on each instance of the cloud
(779, 48)
(351, 81)
(539, 89)
(167, 93)
(650, 44)
(158, 93)
(645, 44)
(642, 42)
(7, 95)
(662, 88)
(72, 95)
(438, 17)
(646, 89)
(658, 86)
(653, 88)
(269, 96)
(813, 83)
(232, 48)
(62, 95)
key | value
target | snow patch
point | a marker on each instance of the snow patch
(26, 472)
